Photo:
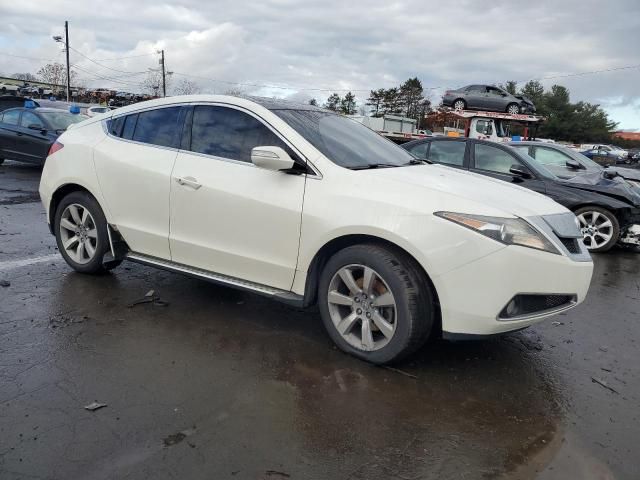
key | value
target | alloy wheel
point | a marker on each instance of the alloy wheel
(362, 307)
(78, 233)
(596, 229)
(513, 109)
(458, 105)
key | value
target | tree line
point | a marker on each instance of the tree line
(578, 122)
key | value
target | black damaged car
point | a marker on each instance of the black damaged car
(606, 205)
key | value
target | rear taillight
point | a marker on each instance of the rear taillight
(55, 147)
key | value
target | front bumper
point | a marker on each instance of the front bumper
(472, 296)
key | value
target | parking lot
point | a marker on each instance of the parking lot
(211, 382)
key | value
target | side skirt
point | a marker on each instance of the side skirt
(284, 296)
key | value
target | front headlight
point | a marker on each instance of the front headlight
(510, 231)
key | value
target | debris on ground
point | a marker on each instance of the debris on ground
(176, 438)
(604, 384)
(401, 372)
(92, 407)
(151, 298)
(603, 349)
(557, 323)
(276, 473)
(5, 283)
(64, 320)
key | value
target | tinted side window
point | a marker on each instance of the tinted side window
(11, 117)
(449, 153)
(158, 127)
(30, 118)
(129, 126)
(115, 126)
(228, 133)
(420, 150)
(494, 159)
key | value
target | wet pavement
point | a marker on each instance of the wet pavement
(225, 384)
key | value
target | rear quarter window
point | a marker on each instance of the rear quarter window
(158, 127)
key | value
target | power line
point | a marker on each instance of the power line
(272, 86)
(122, 58)
(100, 65)
(29, 58)
(111, 79)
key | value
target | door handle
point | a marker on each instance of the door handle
(188, 182)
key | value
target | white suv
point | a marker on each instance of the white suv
(305, 206)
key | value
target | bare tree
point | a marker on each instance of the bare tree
(55, 74)
(152, 84)
(235, 92)
(27, 77)
(186, 87)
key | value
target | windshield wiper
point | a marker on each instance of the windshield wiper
(419, 161)
(374, 165)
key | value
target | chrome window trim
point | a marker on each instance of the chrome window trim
(315, 175)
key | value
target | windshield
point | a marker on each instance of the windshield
(61, 120)
(344, 141)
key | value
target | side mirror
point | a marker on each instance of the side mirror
(519, 171)
(35, 126)
(574, 165)
(271, 158)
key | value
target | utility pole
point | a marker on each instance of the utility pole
(164, 80)
(66, 39)
(58, 39)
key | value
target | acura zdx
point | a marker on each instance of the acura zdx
(307, 206)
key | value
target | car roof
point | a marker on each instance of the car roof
(36, 109)
(268, 103)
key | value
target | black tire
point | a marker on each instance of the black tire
(85, 200)
(615, 227)
(1, 161)
(415, 306)
(509, 107)
(464, 104)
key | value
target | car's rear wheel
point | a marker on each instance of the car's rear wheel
(459, 104)
(513, 108)
(600, 228)
(375, 303)
(81, 233)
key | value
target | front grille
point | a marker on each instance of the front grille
(527, 304)
(571, 244)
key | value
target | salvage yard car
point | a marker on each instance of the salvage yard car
(307, 206)
(606, 205)
(487, 97)
(27, 134)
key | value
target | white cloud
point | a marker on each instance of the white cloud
(307, 45)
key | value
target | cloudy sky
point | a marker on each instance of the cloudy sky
(307, 49)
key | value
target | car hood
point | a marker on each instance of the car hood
(627, 173)
(524, 99)
(615, 187)
(493, 193)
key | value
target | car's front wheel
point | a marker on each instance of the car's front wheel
(81, 232)
(375, 303)
(459, 104)
(513, 108)
(599, 227)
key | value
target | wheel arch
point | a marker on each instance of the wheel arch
(338, 243)
(466, 104)
(61, 192)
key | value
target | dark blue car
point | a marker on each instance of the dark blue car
(26, 134)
